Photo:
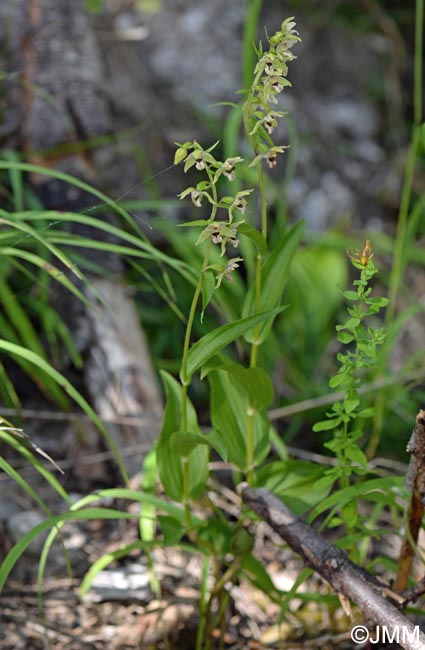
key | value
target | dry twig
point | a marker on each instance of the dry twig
(333, 565)
(415, 480)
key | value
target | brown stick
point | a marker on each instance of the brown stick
(414, 593)
(334, 566)
(415, 480)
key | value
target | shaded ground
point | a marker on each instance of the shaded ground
(121, 611)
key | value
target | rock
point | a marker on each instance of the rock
(8, 507)
(129, 582)
(20, 523)
(324, 205)
(356, 118)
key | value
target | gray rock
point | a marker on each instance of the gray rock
(20, 523)
(357, 118)
(324, 204)
(130, 582)
(7, 506)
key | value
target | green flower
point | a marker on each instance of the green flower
(221, 232)
(225, 271)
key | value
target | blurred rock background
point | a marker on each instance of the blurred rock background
(168, 62)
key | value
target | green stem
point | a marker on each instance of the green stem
(252, 12)
(259, 265)
(258, 286)
(191, 318)
(417, 98)
(258, 281)
(345, 481)
(250, 447)
(399, 259)
(402, 222)
(186, 382)
(186, 492)
(203, 604)
(263, 201)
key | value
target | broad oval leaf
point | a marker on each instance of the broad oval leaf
(170, 466)
(255, 381)
(351, 400)
(229, 415)
(274, 277)
(172, 529)
(208, 284)
(183, 442)
(216, 340)
(294, 482)
(345, 337)
(355, 454)
(254, 235)
(326, 425)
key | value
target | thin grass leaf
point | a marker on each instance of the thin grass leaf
(304, 575)
(89, 514)
(47, 267)
(147, 510)
(108, 558)
(23, 227)
(76, 512)
(66, 385)
(19, 318)
(356, 491)
(53, 173)
(139, 244)
(167, 298)
(15, 178)
(28, 337)
(18, 439)
(141, 497)
(6, 467)
(7, 390)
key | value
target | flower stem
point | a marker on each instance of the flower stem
(186, 382)
(400, 247)
(250, 447)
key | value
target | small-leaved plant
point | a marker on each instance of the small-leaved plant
(361, 354)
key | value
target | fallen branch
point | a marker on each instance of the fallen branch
(415, 481)
(333, 564)
(414, 593)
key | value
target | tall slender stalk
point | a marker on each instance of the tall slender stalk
(400, 242)
(260, 121)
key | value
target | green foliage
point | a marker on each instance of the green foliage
(273, 281)
(171, 465)
(233, 322)
(230, 403)
(304, 335)
(362, 353)
(93, 6)
(239, 393)
(295, 482)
